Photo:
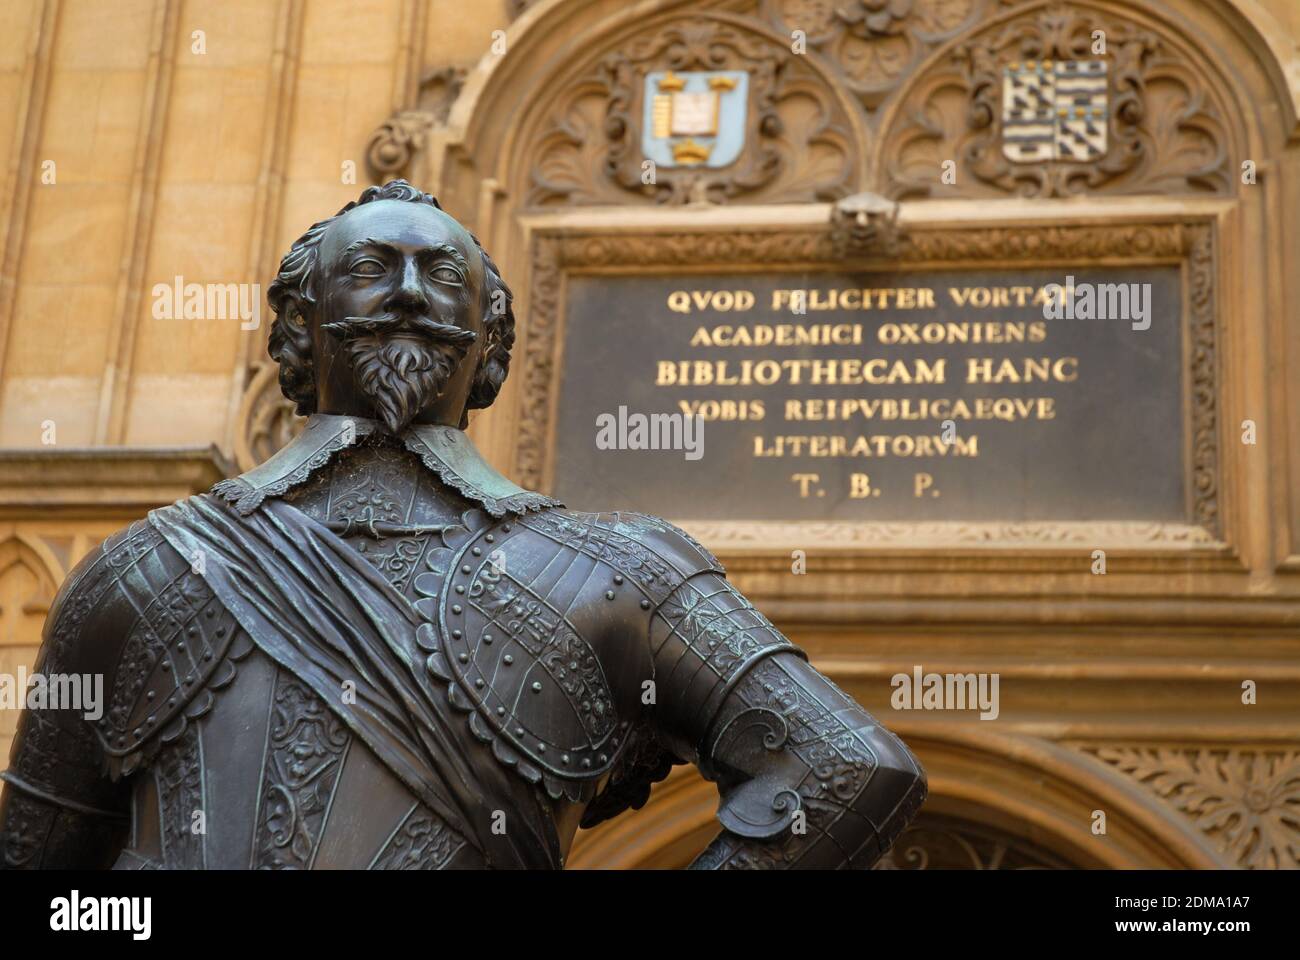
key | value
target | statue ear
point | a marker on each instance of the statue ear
(290, 347)
(491, 341)
(296, 329)
(297, 321)
(498, 337)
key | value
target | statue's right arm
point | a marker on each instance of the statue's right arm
(58, 807)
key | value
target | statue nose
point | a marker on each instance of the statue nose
(409, 295)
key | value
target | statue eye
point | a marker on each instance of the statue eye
(368, 267)
(445, 274)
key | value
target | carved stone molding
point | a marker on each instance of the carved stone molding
(438, 91)
(1165, 130)
(104, 481)
(731, 535)
(1246, 801)
(798, 144)
(1204, 358)
(805, 248)
(36, 557)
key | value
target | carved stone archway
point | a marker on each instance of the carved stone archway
(29, 575)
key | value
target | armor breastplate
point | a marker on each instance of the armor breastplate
(313, 795)
(495, 593)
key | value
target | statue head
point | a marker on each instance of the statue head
(391, 310)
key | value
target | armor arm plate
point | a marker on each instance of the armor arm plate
(807, 778)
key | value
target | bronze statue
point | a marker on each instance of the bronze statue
(374, 651)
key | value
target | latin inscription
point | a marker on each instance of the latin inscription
(955, 395)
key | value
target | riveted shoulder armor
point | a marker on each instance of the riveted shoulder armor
(653, 553)
(556, 606)
(141, 617)
(59, 758)
(703, 634)
(180, 650)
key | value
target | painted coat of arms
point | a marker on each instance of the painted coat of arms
(1054, 110)
(694, 118)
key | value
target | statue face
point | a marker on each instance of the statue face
(398, 327)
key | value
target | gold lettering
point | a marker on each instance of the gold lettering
(804, 480)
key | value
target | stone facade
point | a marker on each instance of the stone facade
(151, 140)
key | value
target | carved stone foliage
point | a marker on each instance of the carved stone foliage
(798, 145)
(395, 143)
(936, 842)
(397, 140)
(1246, 801)
(1164, 132)
(874, 45)
(810, 248)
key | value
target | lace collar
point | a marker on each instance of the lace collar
(446, 451)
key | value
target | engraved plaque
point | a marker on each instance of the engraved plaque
(874, 397)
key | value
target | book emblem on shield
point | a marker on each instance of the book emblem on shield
(695, 118)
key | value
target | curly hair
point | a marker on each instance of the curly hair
(294, 287)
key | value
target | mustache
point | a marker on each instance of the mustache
(420, 326)
(401, 362)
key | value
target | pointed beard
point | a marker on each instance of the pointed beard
(403, 376)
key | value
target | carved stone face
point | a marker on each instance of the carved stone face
(398, 330)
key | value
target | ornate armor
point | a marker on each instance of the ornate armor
(567, 659)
